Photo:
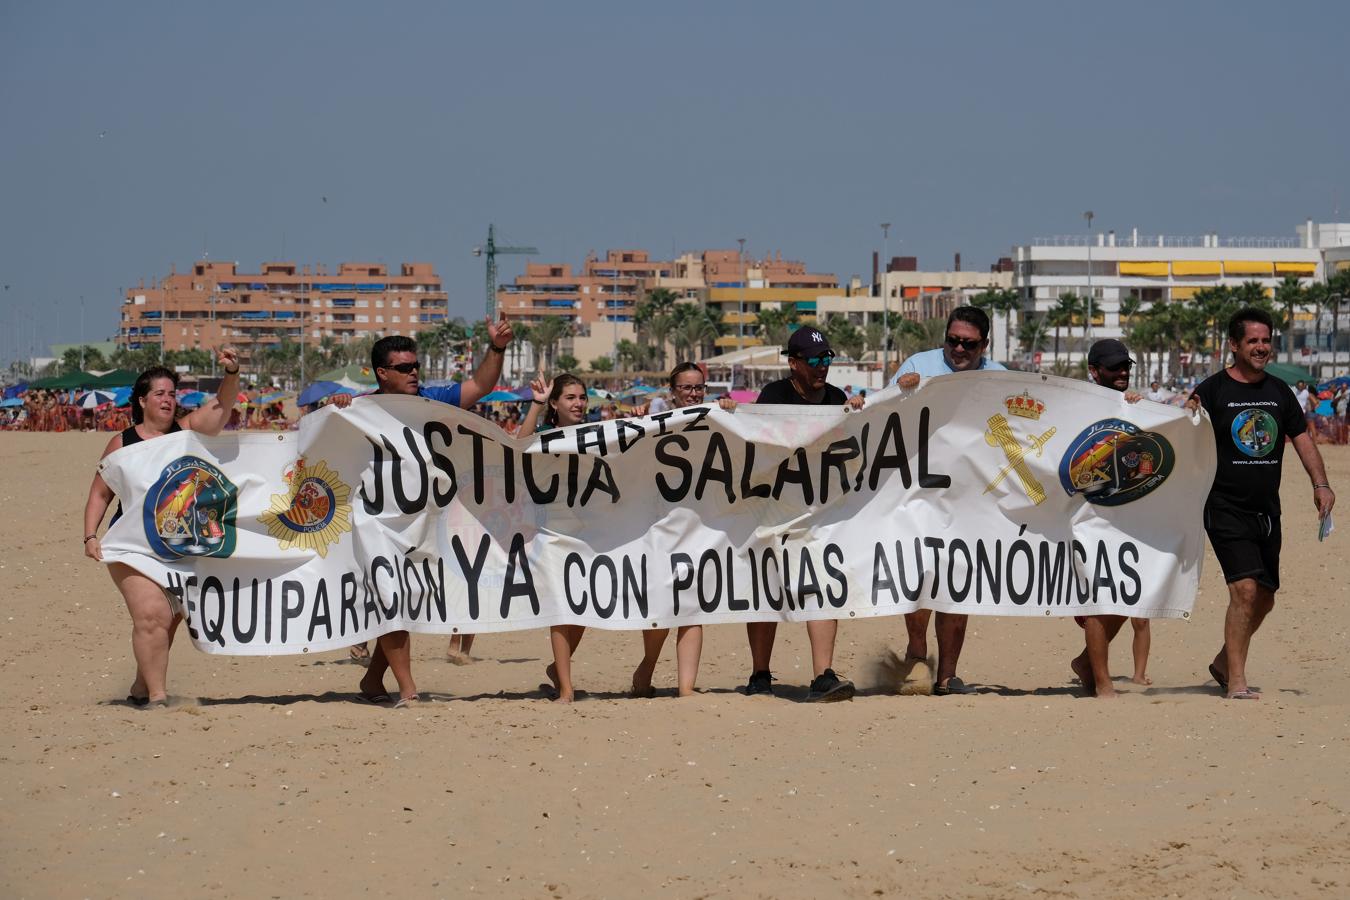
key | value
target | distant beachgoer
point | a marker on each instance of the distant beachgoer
(154, 617)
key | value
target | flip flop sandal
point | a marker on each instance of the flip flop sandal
(1248, 694)
(376, 699)
(954, 685)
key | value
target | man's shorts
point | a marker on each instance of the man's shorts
(1247, 544)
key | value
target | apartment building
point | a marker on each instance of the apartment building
(1110, 268)
(214, 303)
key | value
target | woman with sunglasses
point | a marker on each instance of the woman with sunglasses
(688, 387)
(154, 620)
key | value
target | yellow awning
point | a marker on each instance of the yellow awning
(1343, 265)
(1295, 268)
(1184, 293)
(1145, 269)
(1247, 267)
(1195, 267)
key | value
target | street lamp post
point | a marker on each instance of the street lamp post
(885, 302)
(745, 276)
(613, 312)
(1088, 330)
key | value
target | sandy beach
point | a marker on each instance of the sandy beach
(267, 778)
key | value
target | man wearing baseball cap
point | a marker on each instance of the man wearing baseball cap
(1109, 365)
(809, 357)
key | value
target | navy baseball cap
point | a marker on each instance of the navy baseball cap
(806, 342)
(1109, 353)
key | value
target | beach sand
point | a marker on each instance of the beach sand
(267, 779)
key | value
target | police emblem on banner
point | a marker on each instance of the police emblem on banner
(190, 511)
(314, 513)
(1113, 462)
(1026, 409)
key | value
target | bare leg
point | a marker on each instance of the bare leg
(760, 635)
(1248, 605)
(1098, 632)
(372, 683)
(458, 651)
(822, 635)
(951, 637)
(688, 649)
(394, 651)
(916, 626)
(152, 627)
(653, 639)
(564, 639)
(1143, 638)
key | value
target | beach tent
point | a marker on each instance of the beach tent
(1287, 373)
(15, 390)
(115, 379)
(353, 376)
(10, 402)
(69, 381)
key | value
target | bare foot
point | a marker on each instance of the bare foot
(372, 689)
(458, 658)
(916, 676)
(359, 654)
(642, 680)
(564, 698)
(1083, 670)
(1141, 679)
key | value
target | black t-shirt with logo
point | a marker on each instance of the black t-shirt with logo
(1251, 422)
(782, 391)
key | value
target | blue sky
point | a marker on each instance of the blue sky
(140, 135)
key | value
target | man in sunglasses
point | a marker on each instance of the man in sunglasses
(1109, 365)
(397, 371)
(809, 357)
(962, 350)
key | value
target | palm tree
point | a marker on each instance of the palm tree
(1062, 315)
(776, 324)
(1000, 300)
(1290, 295)
(694, 326)
(544, 337)
(912, 336)
(845, 336)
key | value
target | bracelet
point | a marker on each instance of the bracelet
(1316, 486)
(540, 402)
(90, 537)
(235, 372)
(495, 349)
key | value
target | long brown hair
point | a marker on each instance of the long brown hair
(559, 385)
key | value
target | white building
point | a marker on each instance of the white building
(1161, 267)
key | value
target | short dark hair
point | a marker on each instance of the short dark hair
(386, 347)
(1237, 326)
(141, 389)
(681, 368)
(972, 315)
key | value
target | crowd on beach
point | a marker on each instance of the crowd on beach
(1253, 416)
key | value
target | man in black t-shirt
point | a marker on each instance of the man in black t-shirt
(809, 357)
(1252, 413)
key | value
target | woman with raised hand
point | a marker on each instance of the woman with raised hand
(154, 402)
(557, 404)
(688, 387)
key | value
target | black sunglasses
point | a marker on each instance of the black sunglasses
(953, 341)
(814, 361)
(405, 368)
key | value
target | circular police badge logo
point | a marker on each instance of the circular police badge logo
(314, 512)
(190, 511)
(1113, 462)
(1255, 432)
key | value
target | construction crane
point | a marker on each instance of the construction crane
(491, 251)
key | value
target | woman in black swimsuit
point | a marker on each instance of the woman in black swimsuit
(153, 620)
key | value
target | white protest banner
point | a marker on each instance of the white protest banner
(983, 493)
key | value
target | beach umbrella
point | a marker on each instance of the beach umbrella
(10, 402)
(743, 396)
(192, 399)
(271, 398)
(316, 392)
(500, 397)
(94, 398)
(122, 397)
